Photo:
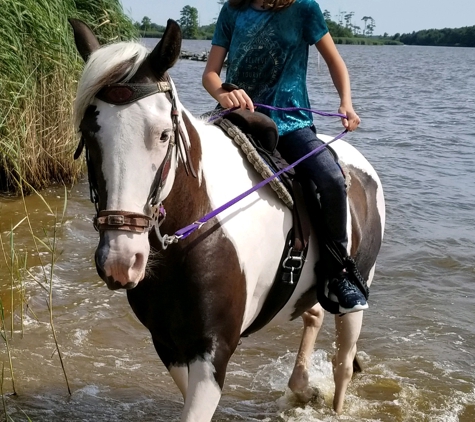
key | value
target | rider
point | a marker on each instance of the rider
(267, 42)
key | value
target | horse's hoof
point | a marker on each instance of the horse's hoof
(357, 365)
(313, 395)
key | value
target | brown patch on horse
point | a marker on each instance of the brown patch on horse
(167, 51)
(194, 137)
(86, 41)
(366, 233)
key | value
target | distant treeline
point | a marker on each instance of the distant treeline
(348, 34)
(458, 37)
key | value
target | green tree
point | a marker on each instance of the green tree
(348, 18)
(189, 22)
(146, 23)
(370, 26)
(337, 30)
(340, 18)
(365, 19)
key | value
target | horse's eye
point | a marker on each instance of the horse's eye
(165, 135)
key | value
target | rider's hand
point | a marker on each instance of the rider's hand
(235, 98)
(352, 121)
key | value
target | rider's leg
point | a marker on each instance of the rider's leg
(324, 171)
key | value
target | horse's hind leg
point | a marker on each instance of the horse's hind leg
(348, 328)
(298, 382)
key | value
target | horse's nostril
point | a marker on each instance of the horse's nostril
(138, 262)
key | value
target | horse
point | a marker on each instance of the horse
(154, 168)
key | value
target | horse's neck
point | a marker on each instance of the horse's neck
(188, 200)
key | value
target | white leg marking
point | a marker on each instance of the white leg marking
(298, 382)
(180, 376)
(348, 328)
(203, 393)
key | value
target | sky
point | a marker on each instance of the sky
(390, 16)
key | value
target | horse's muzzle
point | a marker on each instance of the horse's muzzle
(121, 262)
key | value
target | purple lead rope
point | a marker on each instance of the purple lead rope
(186, 231)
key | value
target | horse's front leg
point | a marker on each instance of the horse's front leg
(298, 382)
(348, 328)
(206, 376)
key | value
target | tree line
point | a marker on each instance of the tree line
(343, 27)
(457, 37)
(344, 30)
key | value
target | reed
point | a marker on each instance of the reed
(46, 253)
(39, 69)
(46, 280)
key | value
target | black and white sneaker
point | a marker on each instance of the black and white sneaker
(350, 298)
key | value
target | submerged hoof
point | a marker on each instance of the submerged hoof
(309, 395)
(357, 365)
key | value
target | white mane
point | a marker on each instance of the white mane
(107, 65)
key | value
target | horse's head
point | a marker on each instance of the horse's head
(127, 113)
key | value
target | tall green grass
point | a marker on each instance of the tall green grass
(39, 69)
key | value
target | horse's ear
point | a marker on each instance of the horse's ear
(86, 41)
(167, 51)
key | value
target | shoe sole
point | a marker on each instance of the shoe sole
(355, 308)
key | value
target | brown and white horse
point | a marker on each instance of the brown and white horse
(198, 295)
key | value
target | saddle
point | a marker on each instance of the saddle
(257, 135)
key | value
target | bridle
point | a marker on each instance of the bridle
(122, 94)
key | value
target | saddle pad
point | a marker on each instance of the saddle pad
(256, 160)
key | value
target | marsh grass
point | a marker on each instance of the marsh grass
(39, 68)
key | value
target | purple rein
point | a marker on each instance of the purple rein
(186, 231)
(320, 113)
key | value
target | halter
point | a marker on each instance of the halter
(122, 94)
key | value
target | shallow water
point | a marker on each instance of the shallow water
(418, 338)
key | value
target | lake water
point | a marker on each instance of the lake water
(418, 339)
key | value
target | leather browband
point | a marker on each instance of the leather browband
(136, 92)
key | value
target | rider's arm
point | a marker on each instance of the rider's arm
(341, 79)
(212, 82)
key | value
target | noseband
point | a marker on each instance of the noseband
(122, 94)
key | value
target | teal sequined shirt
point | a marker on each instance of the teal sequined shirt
(268, 55)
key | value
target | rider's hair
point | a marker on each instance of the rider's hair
(267, 4)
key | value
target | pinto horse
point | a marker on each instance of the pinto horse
(198, 294)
